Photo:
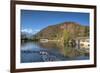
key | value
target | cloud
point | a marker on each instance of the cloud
(31, 31)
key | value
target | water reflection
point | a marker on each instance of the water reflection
(50, 51)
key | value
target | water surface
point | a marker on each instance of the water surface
(49, 51)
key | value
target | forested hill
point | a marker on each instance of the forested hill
(58, 30)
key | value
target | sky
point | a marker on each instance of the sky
(32, 21)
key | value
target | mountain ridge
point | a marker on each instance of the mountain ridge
(73, 28)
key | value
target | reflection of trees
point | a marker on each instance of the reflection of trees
(65, 50)
(68, 52)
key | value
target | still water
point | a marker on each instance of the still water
(50, 51)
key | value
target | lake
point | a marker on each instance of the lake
(49, 51)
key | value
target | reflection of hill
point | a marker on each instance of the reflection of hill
(50, 45)
(66, 51)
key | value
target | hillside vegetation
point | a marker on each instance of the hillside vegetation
(63, 31)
